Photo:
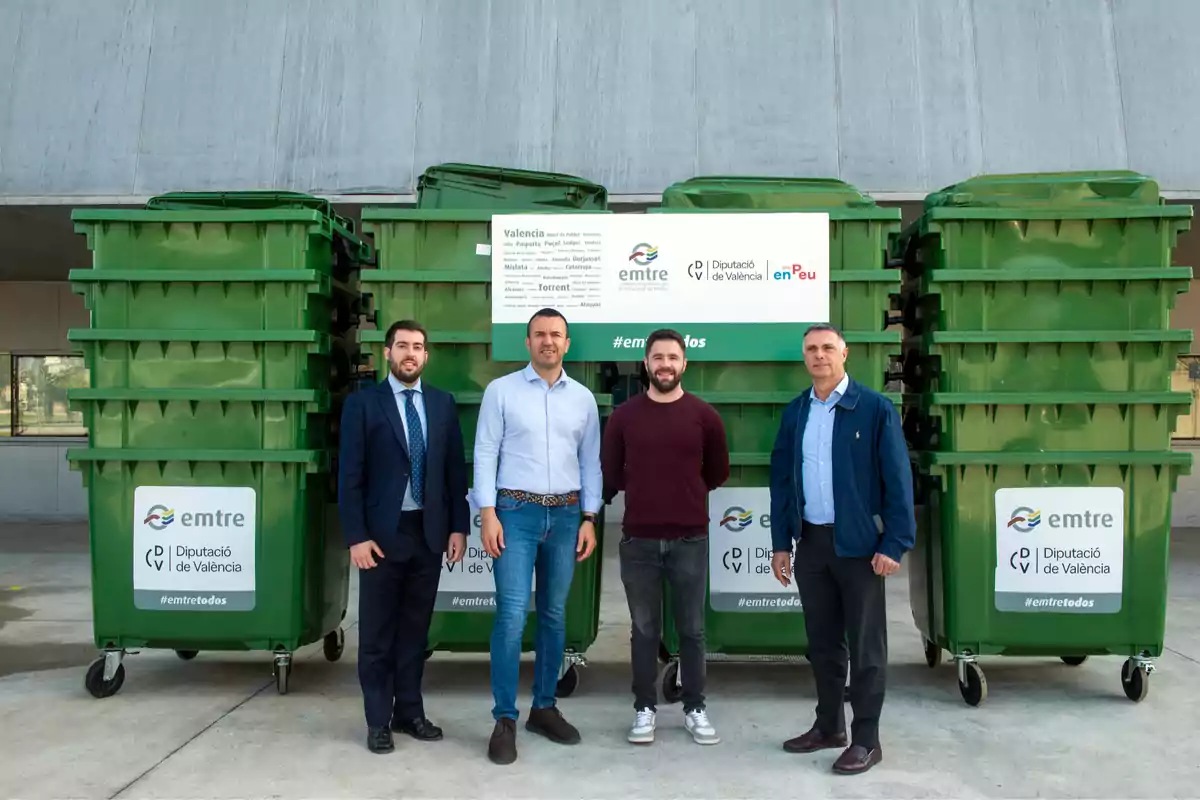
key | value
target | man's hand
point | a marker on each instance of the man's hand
(361, 554)
(493, 534)
(781, 565)
(456, 548)
(587, 540)
(883, 565)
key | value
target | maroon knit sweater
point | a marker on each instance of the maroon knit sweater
(666, 457)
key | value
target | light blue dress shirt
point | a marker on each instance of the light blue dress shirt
(398, 389)
(537, 438)
(816, 465)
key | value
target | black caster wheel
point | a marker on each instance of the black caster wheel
(933, 654)
(428, 654)
(187, 655)
(672, 692)
(1073, 661)
(333, 644)
(283, 674)
(568, 683)
(95, 683)
(1135, 680)
(974, 691)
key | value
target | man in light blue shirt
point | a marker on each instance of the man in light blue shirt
(817, 456)
(538, 488)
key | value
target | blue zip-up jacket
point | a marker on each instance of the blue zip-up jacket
(872, 480)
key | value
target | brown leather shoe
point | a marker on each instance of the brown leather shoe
(502, 749)
(857, 759)
(549, 722)
(813, 741)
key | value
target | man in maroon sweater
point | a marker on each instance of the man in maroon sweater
(666, 450)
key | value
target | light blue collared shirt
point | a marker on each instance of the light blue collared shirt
(816, 466)
(398, 390)
(537, 438)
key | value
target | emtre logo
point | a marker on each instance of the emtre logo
(736, 519)
(1025, 519)
(159, 517)
(643, 254)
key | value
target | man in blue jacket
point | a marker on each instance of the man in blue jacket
(841, 490)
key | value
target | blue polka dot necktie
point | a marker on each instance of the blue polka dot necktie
(416, 448)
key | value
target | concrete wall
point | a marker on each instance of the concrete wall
(127, 98)
(35, 479)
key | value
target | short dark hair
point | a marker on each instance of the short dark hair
(405, 325)
(824, 326)
(547, 313)
(665, 335)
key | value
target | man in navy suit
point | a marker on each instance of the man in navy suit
(402, 498)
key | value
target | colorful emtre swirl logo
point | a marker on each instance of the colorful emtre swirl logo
(736, 519)
(159, 517)
(643, 254)
(1024, 519)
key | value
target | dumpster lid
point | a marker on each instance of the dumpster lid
(770, 193)
(1105, 191)
(487, 179)
(173, 201)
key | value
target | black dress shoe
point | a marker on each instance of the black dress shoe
(418, 728)
(857, 759)
(379, 740)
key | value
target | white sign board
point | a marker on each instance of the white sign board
(737, 286)
(470, 585)
(1060, 550)
(194, 548)
(739, 568)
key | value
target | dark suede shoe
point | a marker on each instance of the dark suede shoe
(549, 722)
(418, 728)
(813, 741)
(857, 759)
(379, 740)
(502, 749)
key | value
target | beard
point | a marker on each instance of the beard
(666, 383)
(406, 373)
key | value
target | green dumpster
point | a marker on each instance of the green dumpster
(463, 186)
(216, 357)
(434, 266)
(748, 613)
(1040, 416)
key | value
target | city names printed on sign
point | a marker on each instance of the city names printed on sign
(1060, 549)
(194, 548)
(736, 286)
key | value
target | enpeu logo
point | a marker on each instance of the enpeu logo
(158, 517)
(1024, 519)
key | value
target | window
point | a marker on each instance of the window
(33, 395)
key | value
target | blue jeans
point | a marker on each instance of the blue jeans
(541, 538)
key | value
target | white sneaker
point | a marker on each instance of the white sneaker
(642, 731)
(700, 728)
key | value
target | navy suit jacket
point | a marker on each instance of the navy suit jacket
(374, 468)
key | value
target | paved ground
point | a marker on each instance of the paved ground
(215, 727)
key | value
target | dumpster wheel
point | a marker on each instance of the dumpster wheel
(95, 683)
(568, 683)
(187, 655)
(972, 685)
(334, 644)
(933, 654)
(672, 691)
(283, 671)
(1135, 679)
(1073, 661)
